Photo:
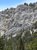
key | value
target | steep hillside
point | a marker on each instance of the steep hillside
(15, 19)
(18, 28)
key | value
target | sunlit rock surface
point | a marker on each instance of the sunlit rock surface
(16, 19)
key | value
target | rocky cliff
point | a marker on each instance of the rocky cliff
(14, 20)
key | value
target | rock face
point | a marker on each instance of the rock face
(16, 19)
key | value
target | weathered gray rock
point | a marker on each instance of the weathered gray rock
(17, 19)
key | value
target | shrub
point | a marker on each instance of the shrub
(26, 4)
(32, 4)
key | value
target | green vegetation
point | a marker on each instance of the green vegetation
(32, 44)
(1, 43)
(32, 4)
(28, 42)
(26, 4)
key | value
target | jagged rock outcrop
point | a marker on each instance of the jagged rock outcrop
(16, 19)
